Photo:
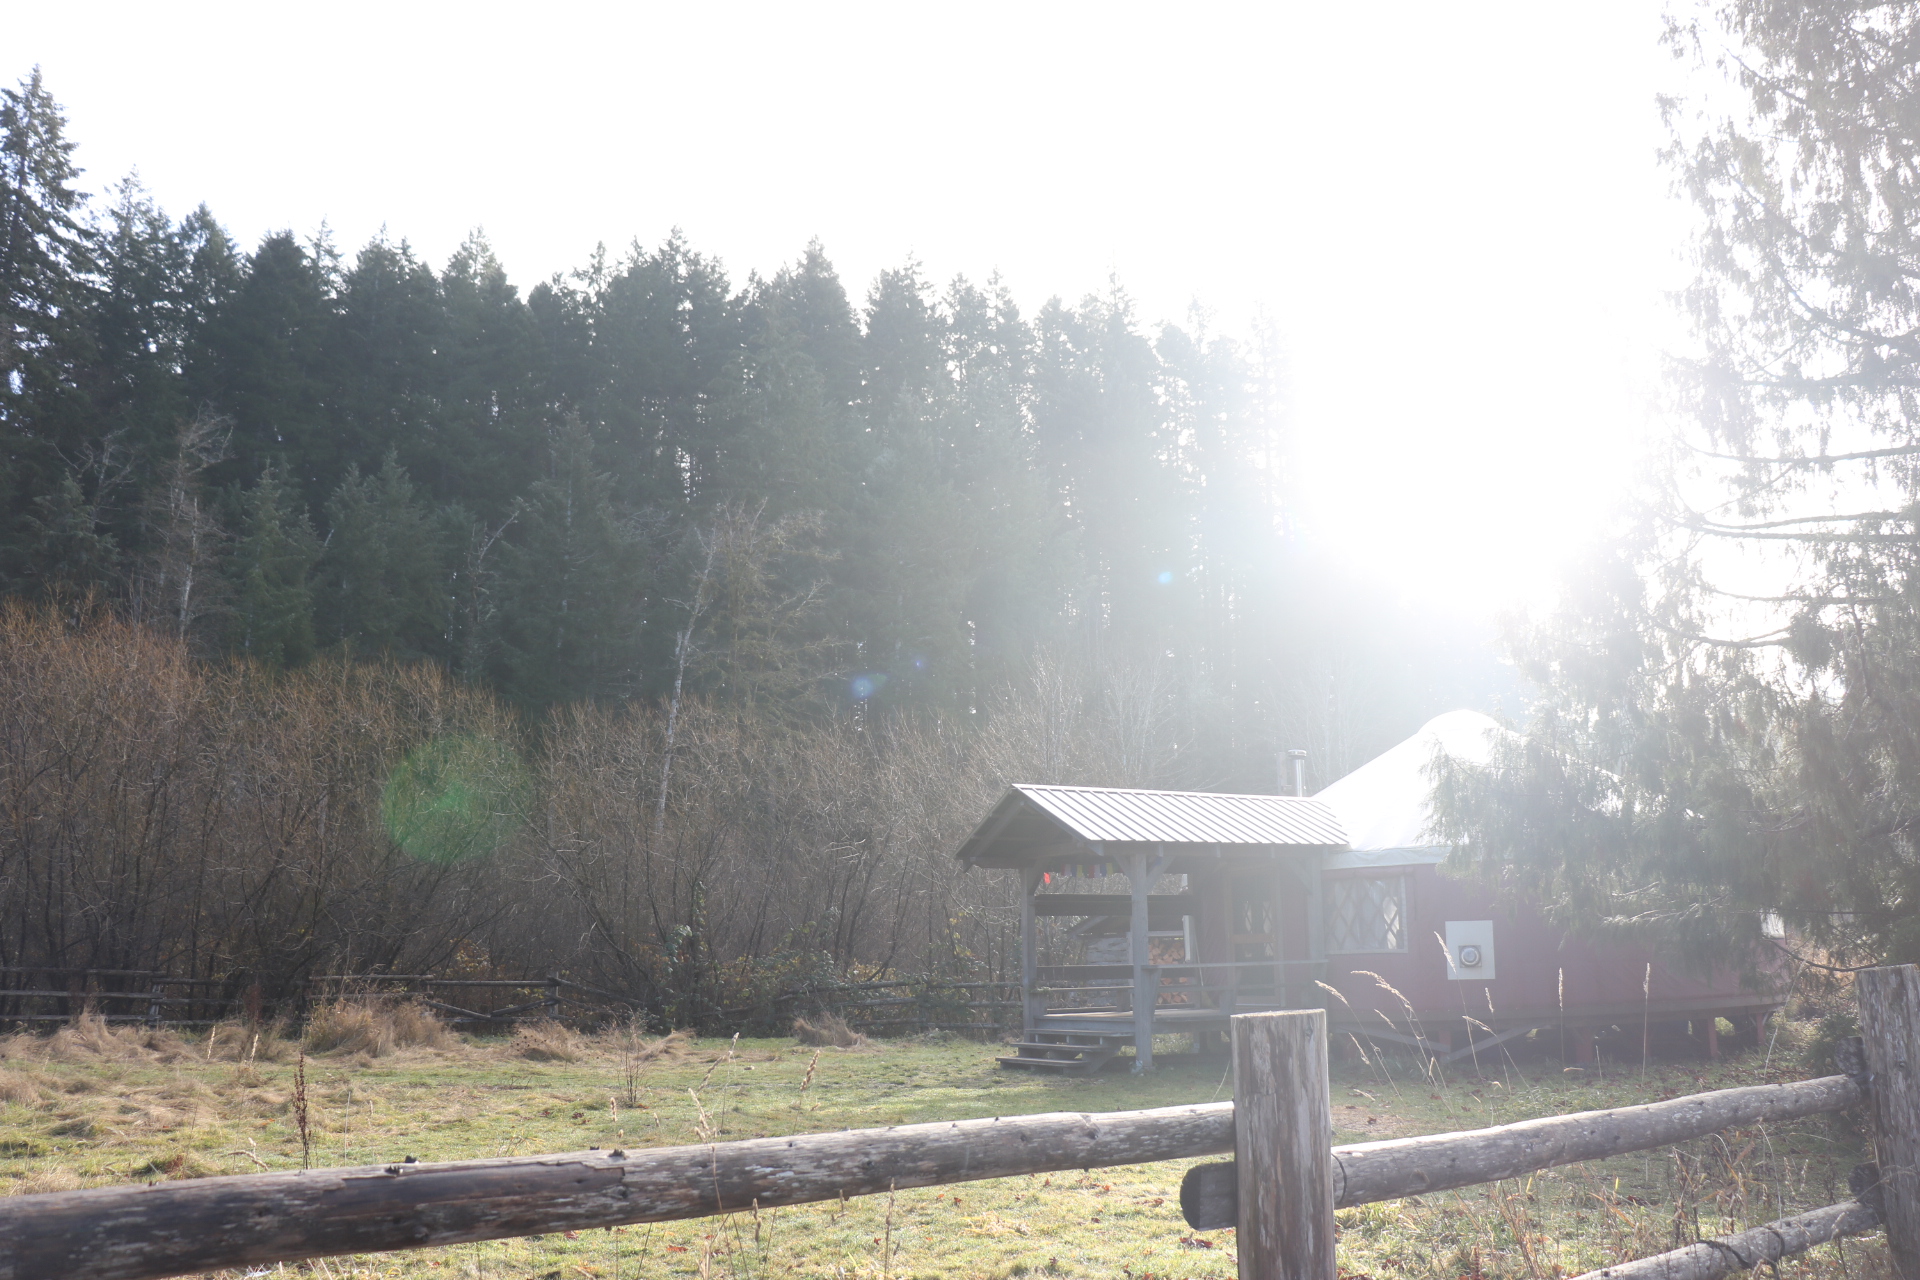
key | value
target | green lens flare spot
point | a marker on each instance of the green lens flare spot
(454, 798)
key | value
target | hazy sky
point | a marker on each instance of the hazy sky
(1452, 214)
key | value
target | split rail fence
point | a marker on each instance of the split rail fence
(1280, 1190)
(40, 995)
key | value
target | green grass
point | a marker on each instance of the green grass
(89, 1108)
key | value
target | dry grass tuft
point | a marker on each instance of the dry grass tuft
(376, 1028)
(17, 1085)
(828, 1030)
(90, 1038)
(670, 1047)
(547, 1041)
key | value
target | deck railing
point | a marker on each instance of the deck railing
(1280, 1190)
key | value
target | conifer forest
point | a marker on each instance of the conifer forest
(646, 623)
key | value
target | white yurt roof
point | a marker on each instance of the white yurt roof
(1385, 803)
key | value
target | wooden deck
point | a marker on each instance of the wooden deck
(1171, 1020)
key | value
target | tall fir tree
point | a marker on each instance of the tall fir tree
(262, 362)
(570, 591)
(272, 568)
(46, 293)
(383, 582)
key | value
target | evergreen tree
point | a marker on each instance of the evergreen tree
(46, 287)
(272, 567)
(262, 362)
(1706, 752)
(70, 548)
(1022, 545)
(1102, 436)
(666, 353)
(382, 352)
(45, 257)
(570, 590)
(487, 437)
(383, 579)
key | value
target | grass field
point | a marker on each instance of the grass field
(89, 1106)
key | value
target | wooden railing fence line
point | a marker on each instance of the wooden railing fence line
(45, 994)
(1280, 1191)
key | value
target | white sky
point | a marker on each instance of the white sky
(1452, 213)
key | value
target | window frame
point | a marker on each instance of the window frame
(1333, 886)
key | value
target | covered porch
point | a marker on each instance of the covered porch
(1240, 931)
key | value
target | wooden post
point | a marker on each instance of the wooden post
(1283, 879)
(1713, 1037)
(1034, 1005)
(552, 1002)
(1283, 1145)
(1316, 925)
(1889, 999)
(1143, 974)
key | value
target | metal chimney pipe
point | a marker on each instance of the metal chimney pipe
(1299, 759)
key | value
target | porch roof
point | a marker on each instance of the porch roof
(1036, 823)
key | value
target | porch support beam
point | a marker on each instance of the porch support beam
(1029, 951)
(1142, 870)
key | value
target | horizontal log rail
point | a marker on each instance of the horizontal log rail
(1747, 1250)
(1396, 1167)
(206, 1224)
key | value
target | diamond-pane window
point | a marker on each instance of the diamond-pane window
(1367, 914)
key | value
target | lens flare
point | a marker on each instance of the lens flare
(864, 687)
(454, 798)
(1165, 577)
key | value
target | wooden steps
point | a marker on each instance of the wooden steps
(1068, 1053)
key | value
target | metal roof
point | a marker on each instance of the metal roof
(1100, 815)
(1187, 817)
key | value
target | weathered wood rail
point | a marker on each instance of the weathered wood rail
(1279, 1129)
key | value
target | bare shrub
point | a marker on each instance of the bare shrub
(547, 1041)
(828, 1030)
(376, 1028)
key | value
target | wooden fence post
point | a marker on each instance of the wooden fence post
(1283, 1145)
(552, 1001)
(1889, 1000)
